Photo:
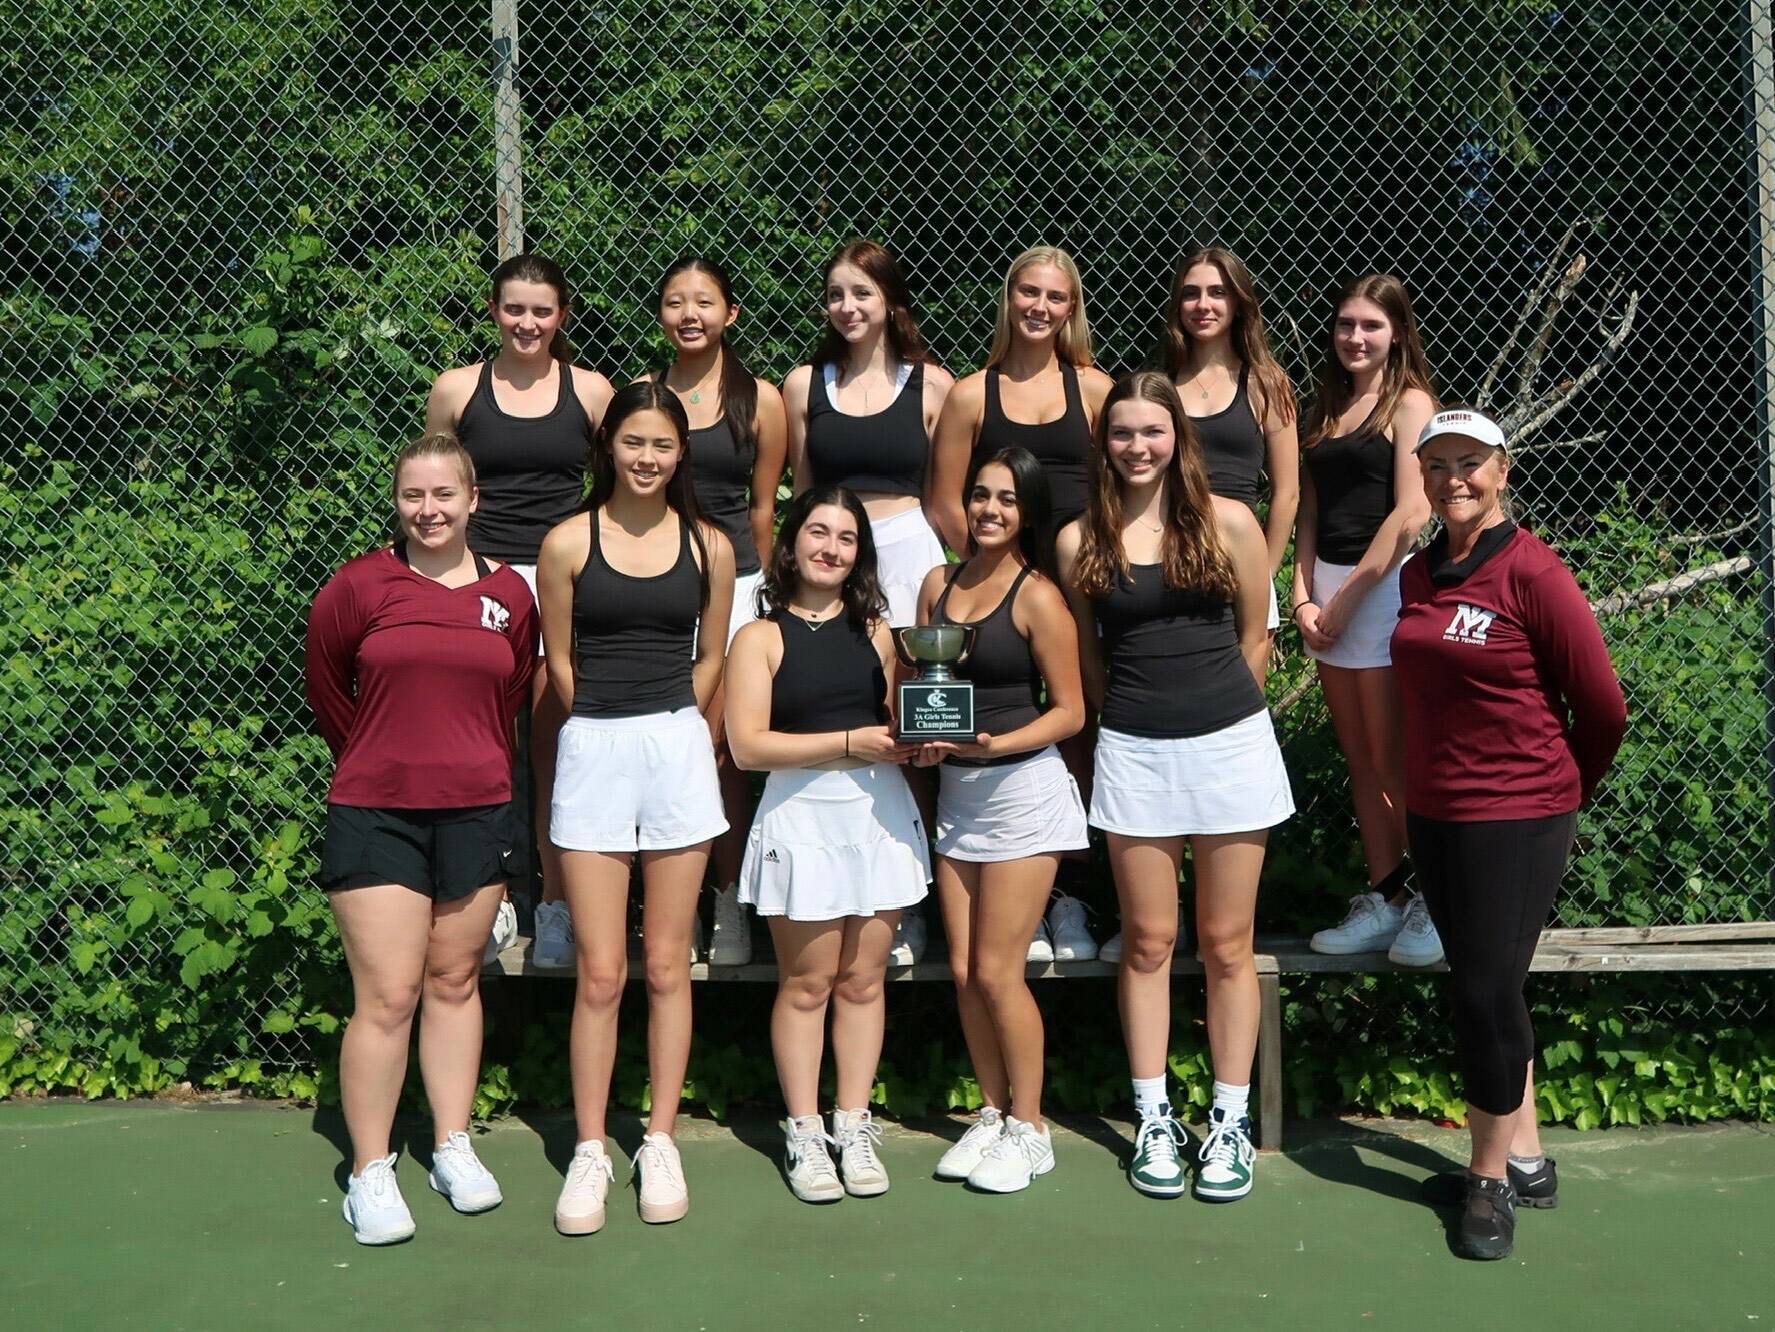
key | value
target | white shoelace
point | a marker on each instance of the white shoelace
(656, 1160)
(1067, 913)
(585, 1165)
(1417, 918)
(378, 1181)
(860, 1137)
(1161, 1129)
(811, 1151)
(1009, 1144)
(989, 1125)
(1361, 906)
(457, 1151)
(1222, 1146)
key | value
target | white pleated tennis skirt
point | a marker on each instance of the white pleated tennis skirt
(831, 843)
(1011, 810)
(635, 783)
(745, 602)
(528, 573)
(1228, 781)
(906, 549)
(1367, 640)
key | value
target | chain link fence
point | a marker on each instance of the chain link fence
(236, 245)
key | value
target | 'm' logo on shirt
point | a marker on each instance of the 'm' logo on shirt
(494, 615)
(1469, 625)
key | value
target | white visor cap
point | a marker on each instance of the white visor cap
(1466, 423)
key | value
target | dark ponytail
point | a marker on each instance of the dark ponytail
(535, 268)
(738, 387)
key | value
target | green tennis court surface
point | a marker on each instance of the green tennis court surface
(227, 1216)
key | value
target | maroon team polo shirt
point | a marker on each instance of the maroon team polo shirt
(1512, 708)
(416, 686)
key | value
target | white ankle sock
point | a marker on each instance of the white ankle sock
(1233, 1102)
(1528, 1164)
(1149, 1094)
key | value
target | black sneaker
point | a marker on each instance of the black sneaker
(1487, 1228)
(1539, 1190)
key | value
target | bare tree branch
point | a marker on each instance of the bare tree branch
(1672, 587)
(1519, 450)
(1528, 417)
(1537, 293)
(1555, 304)
(1699, 538)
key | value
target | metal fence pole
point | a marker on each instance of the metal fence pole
(1761, 39)
(508, 141)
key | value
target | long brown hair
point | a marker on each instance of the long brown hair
(1190, 548)
(1072, 340)
(1406, 366)
(650, 395)
(1251, 340)
(737, 388)
(881, 268)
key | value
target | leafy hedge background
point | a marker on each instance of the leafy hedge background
(236, 246)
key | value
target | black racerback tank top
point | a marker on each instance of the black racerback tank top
(1007, 683)
(635, 637)
(530, 469)
(1233, 446)
(1353, 489)
(830, 677)
(1175, 668)
(885, 452)
(1063, 447)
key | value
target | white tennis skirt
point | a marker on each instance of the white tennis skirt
(826, 844)
(1273, 620)
(635, 783)
(1011, 810)
(528, 573)
(1229, 781)
(906, 549)
(745, 603)
(1367, 640)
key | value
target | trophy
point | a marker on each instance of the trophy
(935, 705)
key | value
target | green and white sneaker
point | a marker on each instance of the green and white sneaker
(1228, 1159)
(1157, 1166)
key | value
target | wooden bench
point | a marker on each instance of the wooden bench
(1740, 947)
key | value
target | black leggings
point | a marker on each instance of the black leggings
(1490, 887)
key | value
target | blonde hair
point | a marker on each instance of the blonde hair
(442, 447)
(1072, 343)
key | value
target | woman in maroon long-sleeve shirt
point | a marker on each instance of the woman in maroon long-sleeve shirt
(1512, 716)
(419, 656)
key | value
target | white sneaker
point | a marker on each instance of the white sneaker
(856, 1133)
(664, 1194)
(807, 1162)
(1066, 927)
(457, 1173)
(554, 936)
(1371, 927)
(1111, 952)
(580, 1208)
(909, 939)
(374, 1208)
(696, 939)
(1417, 944)
(959, 1161)
(1041, 947)
(503, 934)
(730, 935)
(1018, 1156)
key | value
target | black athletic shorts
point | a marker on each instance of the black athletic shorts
(443, 853)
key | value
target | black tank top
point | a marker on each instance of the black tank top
(885, 452)
(721, 475)
(1175, 668)
(1007, 683)
(830, 678)
(531, 469)
(1233, 446)
(1063, 447)
(635, 638)
(1353, 489)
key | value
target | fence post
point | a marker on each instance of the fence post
(1761, 38)
(508, 143)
